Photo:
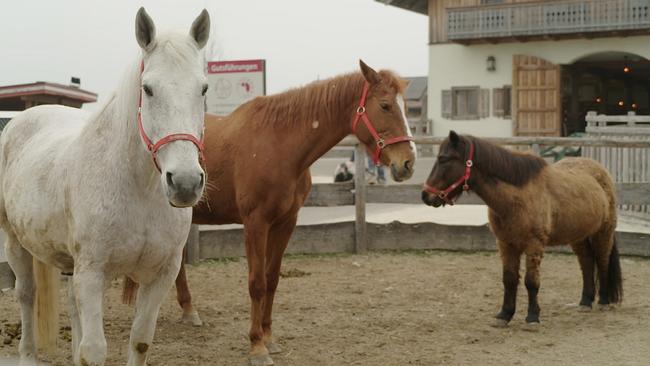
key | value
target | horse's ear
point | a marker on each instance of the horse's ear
(200, 30)
(145, 30)
(454, 138)
(369, 74)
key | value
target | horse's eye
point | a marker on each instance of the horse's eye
(205, 89)
(147, 90)
(385, 106)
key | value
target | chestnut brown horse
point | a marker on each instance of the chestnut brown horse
(532, 205)
(257, 163)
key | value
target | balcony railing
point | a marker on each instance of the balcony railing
(547, 18)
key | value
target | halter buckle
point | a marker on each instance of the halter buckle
(361, 110)
(442, 195)
(381, 144)
(469, 163)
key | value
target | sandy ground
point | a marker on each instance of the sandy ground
(412, 308)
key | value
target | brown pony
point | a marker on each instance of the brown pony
(257, 163)
(533, 205)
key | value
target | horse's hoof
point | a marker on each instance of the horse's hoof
(605, 307)
(261, 360)
(584, 309)
(532, 327)
(499, 323)
(192, 318)
(273, 348)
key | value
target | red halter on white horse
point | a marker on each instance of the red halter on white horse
(381, 143)
(153, 148)
(444, 194)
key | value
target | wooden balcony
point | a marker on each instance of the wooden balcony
(548, 19)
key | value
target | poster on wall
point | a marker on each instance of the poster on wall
(232, 83)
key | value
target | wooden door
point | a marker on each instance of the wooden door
(535, 97)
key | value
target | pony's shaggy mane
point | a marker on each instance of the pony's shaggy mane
(512, 167)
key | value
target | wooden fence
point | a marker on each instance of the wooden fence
(628, 165)
(360, 236)
(356, 236)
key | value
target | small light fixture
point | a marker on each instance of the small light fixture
(633, 105)
(599, 99)
(621, 103)
(491, 63)
(626, 67)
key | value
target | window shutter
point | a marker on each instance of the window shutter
(484, 103)
(507, 101)
(498, 102)
(446, 107)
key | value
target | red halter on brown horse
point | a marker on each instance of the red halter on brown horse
(288, 132)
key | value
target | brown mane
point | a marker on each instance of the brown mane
(512, 167)
(305, 104)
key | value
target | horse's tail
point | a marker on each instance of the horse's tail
(129, 290)
(614, 277)
(46, 309)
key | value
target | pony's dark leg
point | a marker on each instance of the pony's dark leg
(534, 255)
(585, 255)
(279, 236)
(510, 257)
(184, 297)
(608, 276)
(256, 230)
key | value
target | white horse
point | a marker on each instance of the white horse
(81, 193)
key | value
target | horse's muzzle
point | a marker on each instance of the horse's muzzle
(184, 189)
(431, 200)
(401, 172)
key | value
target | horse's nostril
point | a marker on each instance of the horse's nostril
(170, 180)
(408, 165)
(202, 179)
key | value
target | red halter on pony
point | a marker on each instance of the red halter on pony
(153, 148)
(444, 194)
(362, 115)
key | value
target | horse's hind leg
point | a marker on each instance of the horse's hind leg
(585, 255)
(510, 258)
(20, 261)
(607, 261)
(190, 315)
(75, 321)
(279, 236)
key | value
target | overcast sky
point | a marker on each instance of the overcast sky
(302, 40)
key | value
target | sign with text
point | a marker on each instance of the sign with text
(232, 83)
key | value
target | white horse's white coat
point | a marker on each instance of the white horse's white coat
(80, 192)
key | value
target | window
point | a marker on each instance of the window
(502, 101)
(469, 102)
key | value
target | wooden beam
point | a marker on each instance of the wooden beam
(360, 229)
(335, 194)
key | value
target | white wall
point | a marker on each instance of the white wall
(458, 65)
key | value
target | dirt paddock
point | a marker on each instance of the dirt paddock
(412, 308)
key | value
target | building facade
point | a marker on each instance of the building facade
(521, 67)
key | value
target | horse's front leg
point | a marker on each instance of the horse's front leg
(279, 236)
(89, 293)
(150, 297)
(534, 254)
(75, 321)
(256, 232)
(510, 257)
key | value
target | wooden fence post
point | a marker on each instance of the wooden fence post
(536, 149)
(360, 231)
(192, 245)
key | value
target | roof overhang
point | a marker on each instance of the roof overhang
(418, 6)
(43, 88)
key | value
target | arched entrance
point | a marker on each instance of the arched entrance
(612, 83)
